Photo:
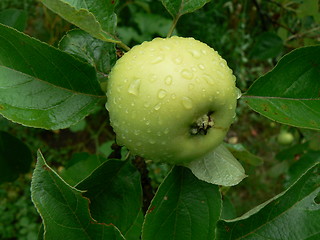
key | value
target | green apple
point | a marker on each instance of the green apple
(285, 138)
(171, 100)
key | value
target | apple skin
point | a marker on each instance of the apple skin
(159, 91)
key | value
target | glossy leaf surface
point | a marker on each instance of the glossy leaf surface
(65, 212)
(179, 7)
(40, 86)
(96, 17)
(115, 195)
(289, 94)
(184, 207)
(291, 215)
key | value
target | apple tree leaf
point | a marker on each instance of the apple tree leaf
(177, 8)
(291, 215)
(15, 157)
(63, 209)
(101, 55)
(41, 86)
(218, 167)
(242, 154)
(290, 93)
(97, 17)
(115, 195)
(15, 18)
(184, 207)
(80, 166)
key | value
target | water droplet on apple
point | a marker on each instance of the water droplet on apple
(136, 132)
(201, 66)
(157, 59)
(152, 141)
(168, 80)
(191, 86)
(157, 107)
(166, 131)
(177, 60)
(162, 93)
(147, 123)
(208, 79)
(204, 51)
(187, 103)
(239, 94)
(153, 78)
(195, 53)
(134, 87)
(173, 96)
(186, 74)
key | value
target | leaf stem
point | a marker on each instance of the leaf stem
(173, 25)
(123, 46)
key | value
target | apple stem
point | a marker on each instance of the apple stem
(173, 25)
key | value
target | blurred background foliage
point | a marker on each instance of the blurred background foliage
(250, 34)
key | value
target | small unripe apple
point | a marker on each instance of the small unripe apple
(285, 138)
(171, 100)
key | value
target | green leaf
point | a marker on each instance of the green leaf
(179, 7)
(41, 86)
(302, 165)
(242, 154)
(15, 157)
(289, 94)
(115, 195)
(63, 209)
(184, 207)
(292, 215)
(80, 166)
(14, 18)
(101, 55)
(218, 167)
(267, 45)
(96, 17)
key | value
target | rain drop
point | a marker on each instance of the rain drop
(157, 59)
(162, 93)
(191, 86)
(152, 141)
(239, 94)
(134, 87)
(187, 103)
(201, 66)
(187, 74)
(177, 60)
(153, 78)
(168, 80)
(195, 53)
(157, 107)
(136, 132)
(208, 79)
(173, 96)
